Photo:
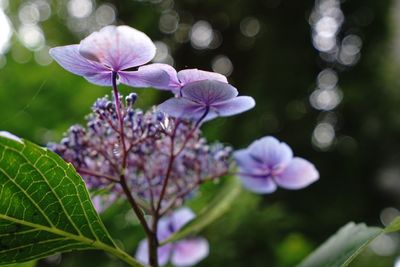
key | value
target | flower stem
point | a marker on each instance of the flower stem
(119, 114)
(151, 235)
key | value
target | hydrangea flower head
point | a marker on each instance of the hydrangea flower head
(183, 253)
(207, 99)
(268, 163)
(113, 49)
(95, 152)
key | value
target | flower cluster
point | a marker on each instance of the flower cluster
(96, 153)
(159, 157)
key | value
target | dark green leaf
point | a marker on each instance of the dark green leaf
(216, 208)
(45, 207)
(23, 264)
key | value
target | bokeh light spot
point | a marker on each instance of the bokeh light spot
(80, 8)
(222, 64)
(201, 35)
(250, 26)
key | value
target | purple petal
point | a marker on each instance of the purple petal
(248, 165)
(234, 106)
(260, 185)
(209, 92)
(182, 108)
(189, 252)
(269, 151)
(181, 217)
(174, 83)
(97, 204)
(192, 75)
(119, 47)
(146, 76)
(164, 228)
(70, 59)
(142, 253)
(103, 78)
(298, 174)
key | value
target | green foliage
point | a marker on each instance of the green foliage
(24, 264)
(45, 207)
(342, 248)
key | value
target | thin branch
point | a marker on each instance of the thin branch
(151, 236)
(100, 175)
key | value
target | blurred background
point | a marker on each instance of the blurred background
(326, 78)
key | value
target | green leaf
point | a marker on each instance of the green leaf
(215, 209)
(342, 248)
(394, 226)
(45, 207)
(24, 264)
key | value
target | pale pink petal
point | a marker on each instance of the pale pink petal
(142, 253)
(298, 174)
(193, 75)
(119, 47)
(146, 76)
(234, 106)
(189, 252)
(209, 91)
(70, 59)
(258, 184)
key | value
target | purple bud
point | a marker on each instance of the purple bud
(131, 99)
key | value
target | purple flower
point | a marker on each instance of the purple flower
(182, 253)
(207, 99)
(113, 49)
(267, 163)
(177, 80)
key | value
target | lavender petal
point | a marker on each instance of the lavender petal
(298, 174)
(70, 59)
(234, 106)
(189, 252)
(174, 84)
(209, 91)
(271, 152)
(257, 184)
(146, 76)
(247, 164)
(164, 253)
(181, 217)
(192, 75)
(119, 47)
(182, 108)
